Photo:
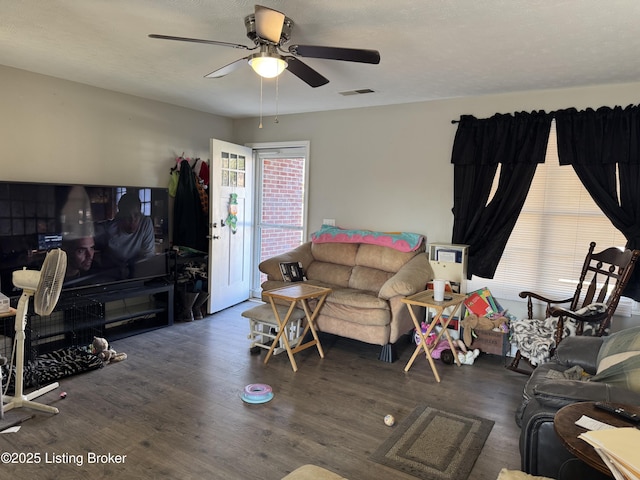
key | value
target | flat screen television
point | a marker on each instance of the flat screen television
(111, 234)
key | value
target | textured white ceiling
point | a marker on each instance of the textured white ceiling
(429, 49)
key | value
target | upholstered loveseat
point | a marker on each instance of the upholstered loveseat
(368, 283)
(583, 368)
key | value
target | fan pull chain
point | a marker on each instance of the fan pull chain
(260, 126)
(277, 91)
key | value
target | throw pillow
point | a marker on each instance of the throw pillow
(619, 360)
(627, 340)
(612, 360)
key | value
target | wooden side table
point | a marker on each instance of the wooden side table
(453, 302)
(567, 430)
(294, 294)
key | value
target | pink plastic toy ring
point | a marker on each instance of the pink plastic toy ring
(257, 392)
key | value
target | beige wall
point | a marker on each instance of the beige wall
(53, 130)
(388, 168)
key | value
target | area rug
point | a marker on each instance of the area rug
(434, 444)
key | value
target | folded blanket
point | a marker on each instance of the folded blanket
(402, 241)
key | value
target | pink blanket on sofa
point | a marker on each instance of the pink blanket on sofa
(402, 241)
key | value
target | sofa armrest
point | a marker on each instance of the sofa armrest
(557, 394)
(411, 278)
(578, 350)
(301, 254)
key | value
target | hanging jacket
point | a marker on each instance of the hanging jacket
(189, 221)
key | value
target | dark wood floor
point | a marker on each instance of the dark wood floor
(174, 409)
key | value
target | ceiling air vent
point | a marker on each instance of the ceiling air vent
(360, 91)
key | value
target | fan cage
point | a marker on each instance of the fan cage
(50, 284)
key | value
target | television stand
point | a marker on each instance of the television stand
(112, 313)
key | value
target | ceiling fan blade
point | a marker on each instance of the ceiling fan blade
(227, 69)
(336, 53)
(305, 73)
(269, 24)
(198, 40)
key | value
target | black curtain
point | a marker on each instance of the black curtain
(518, 143)
(594, 142)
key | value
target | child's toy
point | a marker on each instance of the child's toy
(389, 421)
(447, 357)
(443, 346)
(469, 357)
(472, 322)
(257, 393)
(100, 348)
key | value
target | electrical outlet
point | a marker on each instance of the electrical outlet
(329, 221)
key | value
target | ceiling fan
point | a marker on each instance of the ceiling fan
(270, 30)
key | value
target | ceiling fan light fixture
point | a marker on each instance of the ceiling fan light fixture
(267, 65)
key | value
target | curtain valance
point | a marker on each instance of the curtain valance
(595, 137)
(503, 138)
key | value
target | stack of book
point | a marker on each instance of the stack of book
(292, 272)
(618, 448)
(483, 304)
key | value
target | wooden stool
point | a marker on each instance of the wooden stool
(262, 321)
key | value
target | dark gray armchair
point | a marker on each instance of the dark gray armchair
(582, 369)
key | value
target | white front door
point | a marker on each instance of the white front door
(230, 224)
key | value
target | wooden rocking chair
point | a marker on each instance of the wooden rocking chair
(603, 272)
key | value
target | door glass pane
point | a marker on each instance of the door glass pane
(233, 167)
(282, 206)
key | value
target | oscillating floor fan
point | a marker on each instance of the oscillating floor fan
(44, 286)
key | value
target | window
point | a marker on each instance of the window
(546, 250)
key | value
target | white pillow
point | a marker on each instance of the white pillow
(612, 360)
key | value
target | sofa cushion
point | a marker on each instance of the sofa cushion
(383, 258)
(579, 350)
(357, 306)
(368, 279)
(379, 317)
(340, 253)
(357, 298)
(329, 273)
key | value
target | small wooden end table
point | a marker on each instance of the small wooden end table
(567, 430)
(296, 293)
(453, 302)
